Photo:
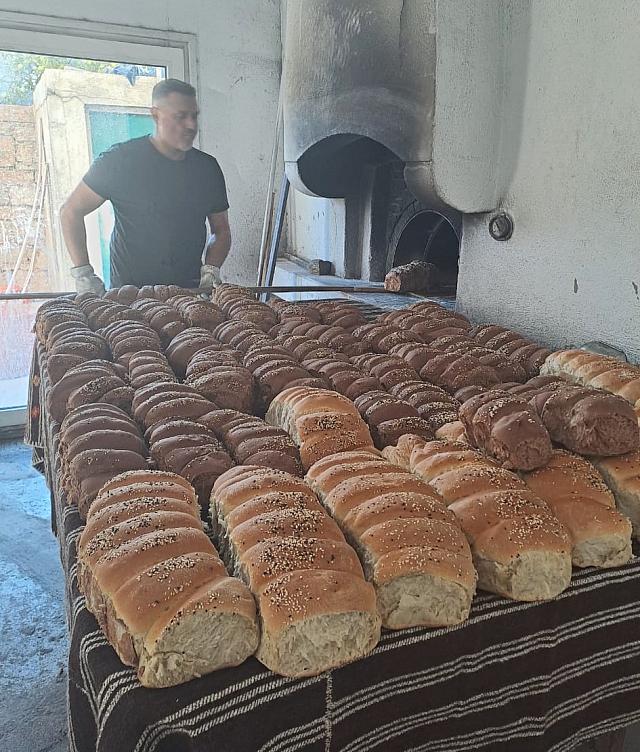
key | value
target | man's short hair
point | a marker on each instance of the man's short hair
(171, 86)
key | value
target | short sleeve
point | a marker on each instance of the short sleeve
(104, 175)
(217, 189)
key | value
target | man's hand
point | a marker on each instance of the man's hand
(87, 280)
(209, 277)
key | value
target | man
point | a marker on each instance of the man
(162, 191)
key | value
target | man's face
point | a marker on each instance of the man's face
(176, 117)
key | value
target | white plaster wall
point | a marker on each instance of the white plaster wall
(571, 272)
(317, 229)
(238, 75)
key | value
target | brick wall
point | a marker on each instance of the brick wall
(18, 175)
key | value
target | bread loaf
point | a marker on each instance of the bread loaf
(433, 404)
(251, 441)
(389, 417)
(316, 610)
(95, 443)
(342, 313)
(588, 421)
(622, 476)
(579, 498)
(411, 546)
(520, 549)
(507, 428)
(411, 277)
(194, 453)
(197, 312)
(217, 375)
(319, 422)
(599, 371)
(453, 432)
(130, 563)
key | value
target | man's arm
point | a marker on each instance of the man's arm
(81, 202)
(220, 241)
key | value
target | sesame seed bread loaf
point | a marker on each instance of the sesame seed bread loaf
(316, 610)
(580, 499)
(454, 431)
(520, 549)
(411, 546)
(156, 584)
(622, 476)
(319, 421)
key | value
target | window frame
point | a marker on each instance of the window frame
(65, 37)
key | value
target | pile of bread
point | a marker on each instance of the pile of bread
(354, 474)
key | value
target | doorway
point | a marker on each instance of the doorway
(67, 93)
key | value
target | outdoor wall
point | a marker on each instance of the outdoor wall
(19, 230)
(238, 78)
(571, 272)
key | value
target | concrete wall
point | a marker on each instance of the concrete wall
(571, 272)
(18, 188)
(537, 111)
(238, 76)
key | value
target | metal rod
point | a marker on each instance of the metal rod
(33, 295)
(268, 211)
(315, 288)
(276, 234)
(257, 289)
(48, 295)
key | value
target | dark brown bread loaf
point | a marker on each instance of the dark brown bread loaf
(433, 404)
(197, 455)
(388, 369)
(251, 441)
(452, 372)
(97, 442)
(389, 417)
(507, 428)
(102, 373)
(413, 277)
(197, 312)
(588, 421)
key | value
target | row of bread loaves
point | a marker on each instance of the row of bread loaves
(156, 585)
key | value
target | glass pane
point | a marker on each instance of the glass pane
(16, 344)
(56, 115)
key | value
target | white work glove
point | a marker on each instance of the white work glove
(209, 277)
(87, 280)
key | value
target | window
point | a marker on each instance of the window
(91, 89)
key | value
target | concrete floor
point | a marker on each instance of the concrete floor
(32, 623)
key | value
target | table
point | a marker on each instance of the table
(516, 676)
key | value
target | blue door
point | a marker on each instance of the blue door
(106, 128)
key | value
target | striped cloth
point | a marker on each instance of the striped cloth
(516, 676)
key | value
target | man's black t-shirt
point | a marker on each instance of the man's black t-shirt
(160, 206)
